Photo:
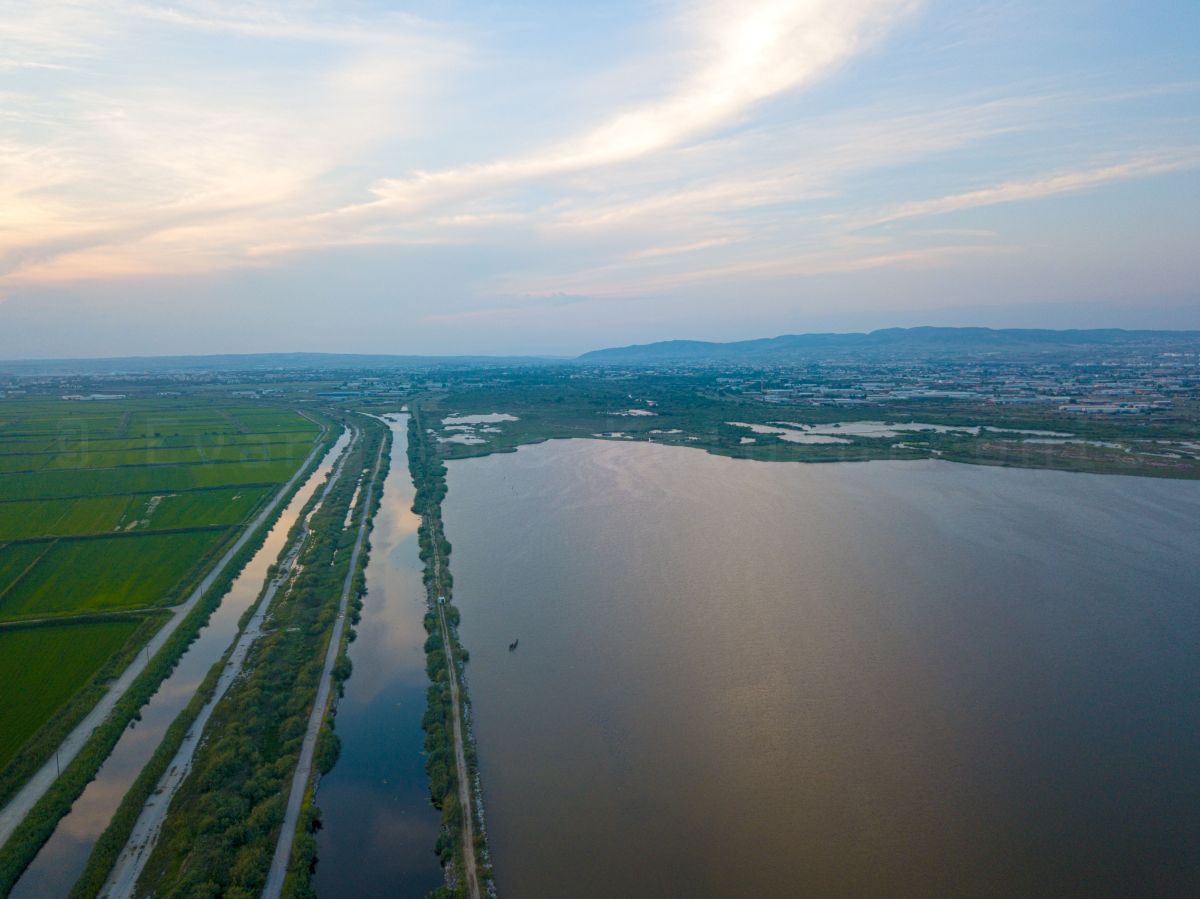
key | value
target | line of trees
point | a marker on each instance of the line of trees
(429, 477)
(303, 862)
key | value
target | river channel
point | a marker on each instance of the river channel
(62, 859)
(379, 828)
(741, 678)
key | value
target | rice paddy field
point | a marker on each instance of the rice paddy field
(46, 666)
(109, 511)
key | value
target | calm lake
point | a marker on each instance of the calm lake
(739, 678)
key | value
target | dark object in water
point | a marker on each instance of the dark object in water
(513, 645)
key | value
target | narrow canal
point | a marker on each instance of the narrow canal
(379, 828)
(62, 859)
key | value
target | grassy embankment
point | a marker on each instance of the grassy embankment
(39, 824)
(223, 823)
(429, 477)
(303, 862)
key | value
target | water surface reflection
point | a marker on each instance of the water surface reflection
(739, 678)
(379, 827)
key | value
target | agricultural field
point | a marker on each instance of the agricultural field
(126, 512)
(42, 667)
(98, 573)
(109, 511)
(84, 482)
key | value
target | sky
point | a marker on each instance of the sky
(551, 177)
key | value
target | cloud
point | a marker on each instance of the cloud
(1043, 186)
(841, 255)
(744, 53)
(129, 163)
(716, 145)
(287, 21)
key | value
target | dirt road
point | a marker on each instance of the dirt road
(460, 760)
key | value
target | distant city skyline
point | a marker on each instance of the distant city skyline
(544, 178)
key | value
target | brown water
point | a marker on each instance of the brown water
(760, 679)
(379, 828)
(60, 862)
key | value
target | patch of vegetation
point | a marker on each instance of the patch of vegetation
(127, 571)
(429, 477)
(145, 479)
(138, 511)
(304, 849)
(41, 743)
(43, 667)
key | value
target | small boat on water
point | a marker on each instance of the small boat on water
(513, 645)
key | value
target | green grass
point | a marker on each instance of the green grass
(89, 456)
(62, 517)
(144, 479)
(225, 505)
(12, 462)
(15, 559)
(69, 443)
(126, 572)
(105, 514)
(42, 667)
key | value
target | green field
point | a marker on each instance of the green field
(16, 559)
(125, 512)
(107, 506)
(144, 479)
(224, 505)
(70, 443)
(96, 455)
(92, 574)
(42, 667)
(44, 517)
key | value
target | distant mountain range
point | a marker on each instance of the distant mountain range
(894, 343)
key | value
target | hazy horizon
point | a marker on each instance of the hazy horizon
(550, 356)
(446, 179)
